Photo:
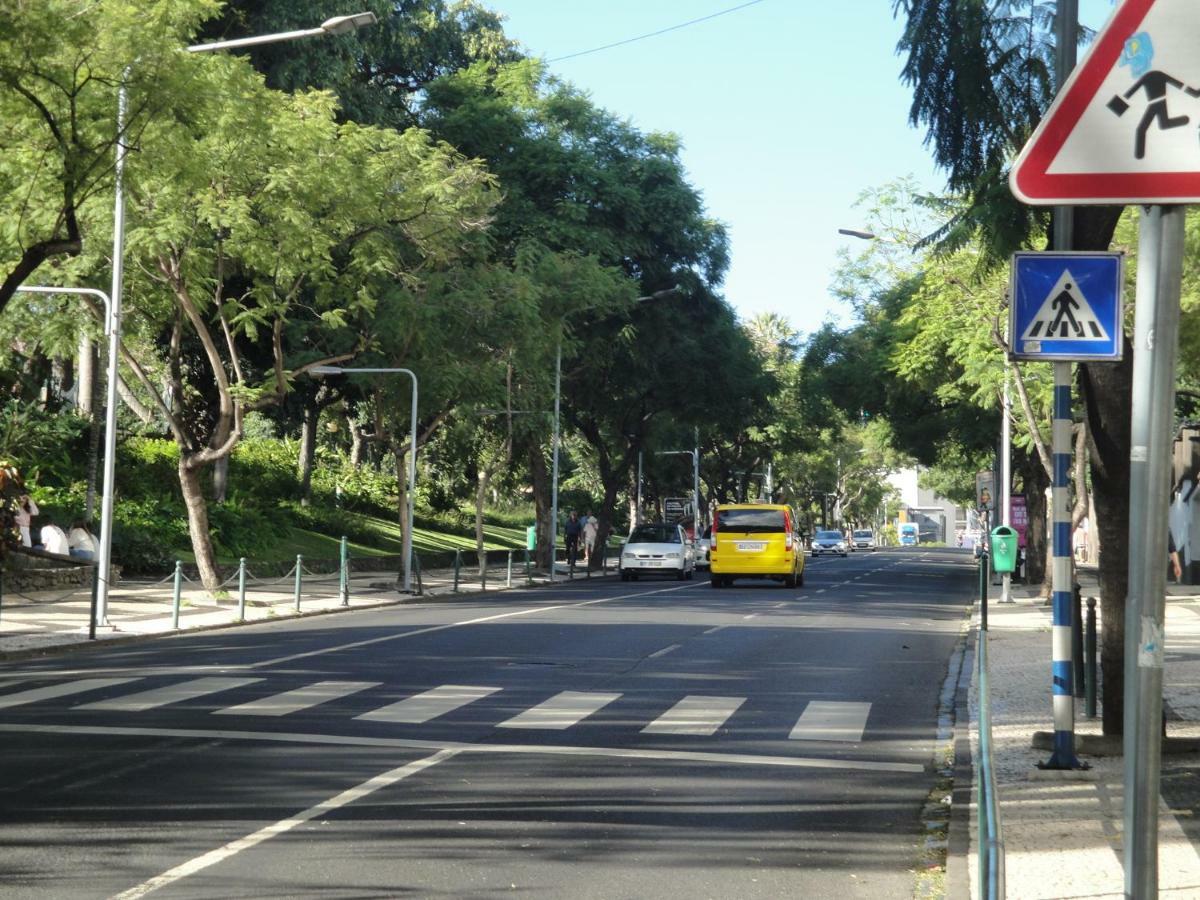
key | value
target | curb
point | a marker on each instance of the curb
(958, 882)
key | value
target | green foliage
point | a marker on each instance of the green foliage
(147, 534)
(46, 446)
(148, 468)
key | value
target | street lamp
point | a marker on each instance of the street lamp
(104, 552)
(694, 453)
(406, 549)
(657, 295)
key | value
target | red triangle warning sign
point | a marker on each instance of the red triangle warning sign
(1125, 128)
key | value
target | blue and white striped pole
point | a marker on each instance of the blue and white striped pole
(1063, 756)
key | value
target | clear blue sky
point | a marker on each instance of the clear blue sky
(788, 110)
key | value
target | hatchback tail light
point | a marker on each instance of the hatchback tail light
(714, 523)
(788, 537)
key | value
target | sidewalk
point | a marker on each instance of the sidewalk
(56, 621)
(1062, 831)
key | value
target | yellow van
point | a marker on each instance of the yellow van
(755, 540)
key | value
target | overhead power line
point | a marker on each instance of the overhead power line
(642, 37)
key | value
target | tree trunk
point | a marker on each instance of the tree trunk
(220, 480)
(541, 503)
(85, 369)
(482, 479)
(197, 515)
(1034, 483)
(96, 413)
(357, 445)
(1106, 390)
(308, 448)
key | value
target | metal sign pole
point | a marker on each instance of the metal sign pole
(1156, 342)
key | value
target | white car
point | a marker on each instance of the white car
(657, 550)
(862, 539)
(702, 546)
(829, 542)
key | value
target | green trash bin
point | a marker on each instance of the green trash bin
(1004, 549)
(531, 537)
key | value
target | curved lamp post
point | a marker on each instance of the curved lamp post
(406, 550)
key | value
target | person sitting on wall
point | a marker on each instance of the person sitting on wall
(54, 540)
(80, 542)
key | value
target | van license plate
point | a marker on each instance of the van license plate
(751, 545)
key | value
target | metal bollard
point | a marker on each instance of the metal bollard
(508, 573)
(983, 591)
(1089, 669)
(176, 595)
(242, 589)
(344, 582)
(528, 568)
(417, 571)
(1077, 640)
(457, 566)
(483, 574)
(299, 578)
(95, 602)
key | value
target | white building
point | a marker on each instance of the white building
(939, 519)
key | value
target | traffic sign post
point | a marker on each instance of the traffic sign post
(1118, 132)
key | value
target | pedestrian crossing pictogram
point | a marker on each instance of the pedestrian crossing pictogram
(1066, 314)
(693, 715)
(1066, 305)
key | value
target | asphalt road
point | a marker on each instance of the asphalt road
(598, 740)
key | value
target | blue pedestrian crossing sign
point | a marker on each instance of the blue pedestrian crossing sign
(1066, 306)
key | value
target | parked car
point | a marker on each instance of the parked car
(755, 540)
(703, 545)
(658, 549)
(862, 539)
(829, 542)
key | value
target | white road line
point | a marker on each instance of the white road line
(172, 693)
(298, 699)
(751, 616)
(435, 628)
(561, 711)
(33, 695)
(695, 715)
(716, 628)
(428, 705)
(664, 651)
(821, 591)
(336, 740)
(824, 720)
(191, 867)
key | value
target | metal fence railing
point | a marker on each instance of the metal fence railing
(254, 590)
(987, 805)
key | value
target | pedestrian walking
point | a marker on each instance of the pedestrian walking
(590, 526)
(26, 510)
(572, 531)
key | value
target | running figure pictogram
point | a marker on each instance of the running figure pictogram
(1138, 55)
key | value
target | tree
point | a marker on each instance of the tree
(981, 80)
(60, 64)
(255, 264)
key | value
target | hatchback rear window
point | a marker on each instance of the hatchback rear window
(862, 534)
(829, 535)
(748, 520)
(654, 534)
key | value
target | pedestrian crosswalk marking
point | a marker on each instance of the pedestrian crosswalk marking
(428, 705)
(826, 720)
(66, 689)
(298, 699)
(561, 711)
(173, 693)
(695, 715)
(1065, 315)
